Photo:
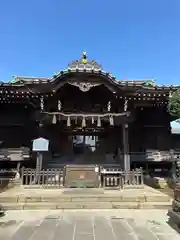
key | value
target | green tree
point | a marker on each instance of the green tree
(174, 104)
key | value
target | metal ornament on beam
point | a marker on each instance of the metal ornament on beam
(83, 86)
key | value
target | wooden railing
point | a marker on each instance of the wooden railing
(112, 178)
(108, 178)
(46, 177)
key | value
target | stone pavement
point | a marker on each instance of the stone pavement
(86, 224)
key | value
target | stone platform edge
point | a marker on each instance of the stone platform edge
(83, 198)
(88, 205)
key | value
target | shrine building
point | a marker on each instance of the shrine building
(88, 116)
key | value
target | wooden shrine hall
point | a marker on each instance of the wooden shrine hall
(88, 117)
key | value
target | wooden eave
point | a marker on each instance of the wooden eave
(45, 85)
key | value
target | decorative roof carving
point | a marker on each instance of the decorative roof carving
(149, 83)
(83, 86)
(84, 63)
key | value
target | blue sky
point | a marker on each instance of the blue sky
(133, 39)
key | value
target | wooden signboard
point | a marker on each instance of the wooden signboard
(40, 145)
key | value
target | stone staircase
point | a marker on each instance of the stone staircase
(84, 199)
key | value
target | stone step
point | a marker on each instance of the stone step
(85, 205)
(94, 199)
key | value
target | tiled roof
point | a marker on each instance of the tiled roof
(84, 65)
(19, 79)
(131, 83)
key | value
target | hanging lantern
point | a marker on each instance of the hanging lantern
(83, 122)
(109, 106)
(111, 120)
(42, 103)
(59, 105)
(92, 120)
(99, 122)
(68, 122)
(125, 105)
(54, 120)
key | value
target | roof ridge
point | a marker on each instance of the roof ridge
(26, 77)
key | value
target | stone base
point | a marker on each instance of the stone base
(158, 183)
(2, 211)
(146, 198)
(8, 184)
(14, 183)
(174, 217)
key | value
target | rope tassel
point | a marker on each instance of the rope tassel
(99, 122)
(111, 120)
(83, 122)
(68, 122)
(54, 120)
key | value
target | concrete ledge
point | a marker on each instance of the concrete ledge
(36, 199)
(98, 205)
(24, 199)
(141, 186)
(85, 199)
(160, 198)
(87, 205)
(64, 199)
(13, 206)
(156, 205)
(9, 199)
(132, 205)
(39, 206)
(125, 205)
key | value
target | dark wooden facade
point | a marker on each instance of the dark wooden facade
(88, 116)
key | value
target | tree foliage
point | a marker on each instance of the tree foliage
(174, 104)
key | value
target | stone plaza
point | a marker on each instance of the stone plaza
(87, 224)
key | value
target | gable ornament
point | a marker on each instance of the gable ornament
(84, 86)
(149, 83)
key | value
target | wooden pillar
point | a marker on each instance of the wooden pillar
(173, 166)
(39, 161)
(18, 167)
(38, 166)
(126, 148)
